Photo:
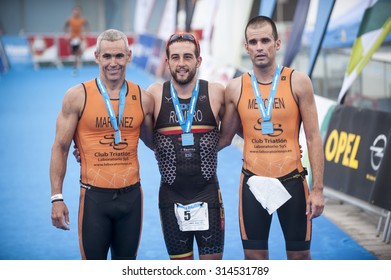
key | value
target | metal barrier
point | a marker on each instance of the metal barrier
(384, 215)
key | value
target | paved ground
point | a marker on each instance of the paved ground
(359, 225)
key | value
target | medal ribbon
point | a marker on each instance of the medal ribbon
(186, 125)
(266, 113)
(109, 107)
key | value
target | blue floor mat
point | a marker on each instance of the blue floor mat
(30, 101)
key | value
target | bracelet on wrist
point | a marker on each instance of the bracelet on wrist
(57, 197)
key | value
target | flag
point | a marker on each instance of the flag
(189, 10)
(167, 24)
(298, 24)
(374, 28)
(267, 7)
(142, 15)
(209, 22)
(325, 8)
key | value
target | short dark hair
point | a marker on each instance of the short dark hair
(259, 21)
(183, 37)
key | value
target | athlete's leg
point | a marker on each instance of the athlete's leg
(78, 53)
(294, 222)
(255, 224)
(94, 226)
(127, 223)
(299, 255)
(211, 242)
(179, 244)
(218, 256)
(256, 254)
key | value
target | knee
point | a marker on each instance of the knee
(256, 254)
(299, 255)
(217, 256)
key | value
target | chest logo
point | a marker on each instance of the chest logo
(109, 140)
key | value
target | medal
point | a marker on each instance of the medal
(266, 112)
(267, 127)
(117, 136)
(187, 139)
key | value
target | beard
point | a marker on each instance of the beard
(183, 81)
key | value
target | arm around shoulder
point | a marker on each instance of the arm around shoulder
(230, 124)
(146, 133)
(216, 93)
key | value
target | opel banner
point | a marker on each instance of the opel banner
(354, 148)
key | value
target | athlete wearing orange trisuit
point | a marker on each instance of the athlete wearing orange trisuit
(280, 151)
(105, 117)
(104, 163)
(190, 202)
(74, 26)
(267, 107)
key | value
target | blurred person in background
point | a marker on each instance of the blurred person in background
(74, 27)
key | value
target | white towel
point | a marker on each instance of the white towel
(269, 192)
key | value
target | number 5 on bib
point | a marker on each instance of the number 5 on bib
(192, 217)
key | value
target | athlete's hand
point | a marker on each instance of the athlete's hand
(76, 153)
(60, 215)
(315, 203)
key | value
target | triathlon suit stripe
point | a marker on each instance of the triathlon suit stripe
(274, 155)
(103, 163)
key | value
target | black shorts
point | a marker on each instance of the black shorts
(75, 49)
(110, 219)
(255, 221)
(180, 243)
(75, 45)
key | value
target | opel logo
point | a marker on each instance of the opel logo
(377, 151)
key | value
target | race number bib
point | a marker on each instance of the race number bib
(192, 217)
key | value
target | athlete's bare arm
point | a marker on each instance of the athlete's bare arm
(65, 128)
(155, 93)
(303, 91)
(147, 126)
(230, 124)
(216, 96)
